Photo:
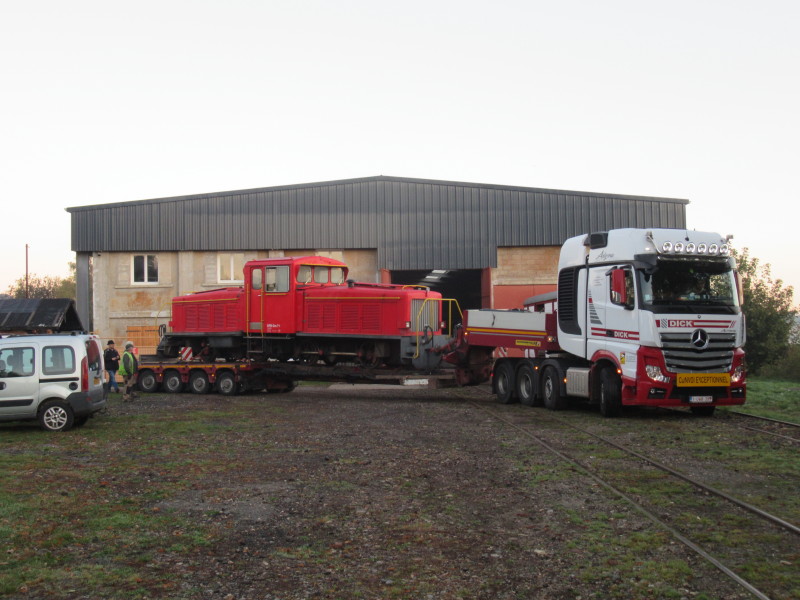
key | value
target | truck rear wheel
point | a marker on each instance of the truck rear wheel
(198, 382)
(610, 393)
(503, 383)
(526, 386)
(551, 389)
(172, 382)
(147, 381)
(226, 384)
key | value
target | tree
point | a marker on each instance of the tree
(45, 287)
(768, 308)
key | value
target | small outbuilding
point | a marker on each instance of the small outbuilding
(489, 246)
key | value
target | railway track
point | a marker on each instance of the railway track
(625, 477)
(785, 430)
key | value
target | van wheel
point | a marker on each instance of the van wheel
(147, 381)
(172, 382)
(198, 382)
(551, 390)
(226, 384)
(526, 390)
(503, 382)
(56, 415)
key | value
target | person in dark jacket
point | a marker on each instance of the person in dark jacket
(111, 360)
(128, 370)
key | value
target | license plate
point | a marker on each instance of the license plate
(704, 379)
(701, 399)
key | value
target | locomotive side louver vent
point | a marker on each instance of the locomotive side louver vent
(350, 320)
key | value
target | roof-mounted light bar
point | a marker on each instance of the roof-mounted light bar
(690, 248)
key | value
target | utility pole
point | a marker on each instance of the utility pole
(27, 292)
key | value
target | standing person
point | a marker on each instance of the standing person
(128, 370)
(111, 360)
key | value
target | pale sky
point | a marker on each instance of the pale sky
(104, 101)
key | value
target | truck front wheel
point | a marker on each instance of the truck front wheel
(610, 393)
(551, 390)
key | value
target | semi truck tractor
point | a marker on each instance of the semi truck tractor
(641, 317)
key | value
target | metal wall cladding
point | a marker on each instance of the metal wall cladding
(413, 223)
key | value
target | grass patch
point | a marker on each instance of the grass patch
(772, 398)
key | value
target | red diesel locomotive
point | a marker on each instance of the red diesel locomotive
(305, 309)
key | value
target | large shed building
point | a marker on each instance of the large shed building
(489, 246)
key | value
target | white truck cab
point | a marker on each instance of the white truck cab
(56, 379)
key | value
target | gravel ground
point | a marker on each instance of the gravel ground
(372, 492)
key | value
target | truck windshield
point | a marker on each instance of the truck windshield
(680, 285)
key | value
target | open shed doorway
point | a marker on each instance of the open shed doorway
(464, 285)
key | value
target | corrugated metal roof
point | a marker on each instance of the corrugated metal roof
(413, 223)
(33, 315)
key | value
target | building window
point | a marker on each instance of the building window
(145, 268)
(230, 267)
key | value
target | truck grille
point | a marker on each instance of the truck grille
(683, 357)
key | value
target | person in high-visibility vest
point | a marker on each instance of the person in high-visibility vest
(128, 368)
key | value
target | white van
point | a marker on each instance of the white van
(56, 379)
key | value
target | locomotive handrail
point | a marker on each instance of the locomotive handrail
(451, 302)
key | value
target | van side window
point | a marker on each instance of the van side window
(16, 362)
(58, 360)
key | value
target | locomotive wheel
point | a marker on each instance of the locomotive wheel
(226, 384)
(525, 385)
(309, 353)
(172, 382)
(610, 393)
(551, 390)
(198, 382)
(503, 382)
(368, 355)
(147, 381)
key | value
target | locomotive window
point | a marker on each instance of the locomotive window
(320, 275)
(257, 279)
(277, 279)
(337, 275)
(304, 274)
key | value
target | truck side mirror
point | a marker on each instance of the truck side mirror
(619, 291)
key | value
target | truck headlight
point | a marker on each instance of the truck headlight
(654, 373)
